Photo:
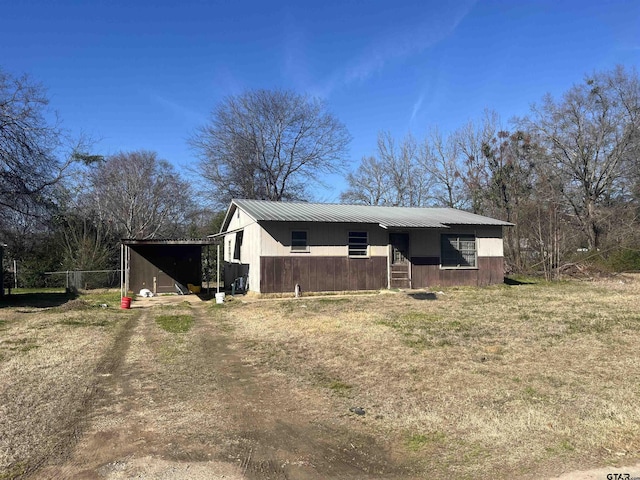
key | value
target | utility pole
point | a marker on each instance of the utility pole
(15, 274)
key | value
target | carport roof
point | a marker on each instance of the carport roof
(386, 217)
(167, 241)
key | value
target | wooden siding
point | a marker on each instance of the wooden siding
(426, 272)
(168, 264)
(400, 275)
(322, 274)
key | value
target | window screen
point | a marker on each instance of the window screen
(458, 251)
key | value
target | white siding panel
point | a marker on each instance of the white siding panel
(490, 247)
(250, 249)
(251, 254)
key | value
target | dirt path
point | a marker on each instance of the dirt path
(189, 406)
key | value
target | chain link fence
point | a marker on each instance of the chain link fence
(75, 280)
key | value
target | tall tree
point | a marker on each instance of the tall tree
(440, 160)
(394, 177)
(509, 160)
(35, 153)
(470, 140)
(139, 195)
(592, 138)
(369, 184)
(29, 166)
(266, 144)
(407, 181)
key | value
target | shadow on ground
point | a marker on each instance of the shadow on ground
(514, 282)
(36, 300)
(423, 296)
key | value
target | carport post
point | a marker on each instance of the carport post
(218, 268)
(121, 270)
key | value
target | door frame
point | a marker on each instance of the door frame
(406, 254)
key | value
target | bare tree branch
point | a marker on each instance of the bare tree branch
(271, 145)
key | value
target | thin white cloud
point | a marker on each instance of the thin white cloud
(416, 107)
(177, 109)
(397, 46)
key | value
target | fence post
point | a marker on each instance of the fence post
(1, 270)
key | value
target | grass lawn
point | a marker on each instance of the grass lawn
(509, 381)
(480, 382)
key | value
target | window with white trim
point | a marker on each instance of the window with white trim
(358, 244)
(458, 251)
(299, 241)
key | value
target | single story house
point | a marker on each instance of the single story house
(274, 246)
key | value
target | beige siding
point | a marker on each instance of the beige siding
(324, 239)
(251, 254)
(426, 243)
(240, 219)
(490, 247)
(250, 249)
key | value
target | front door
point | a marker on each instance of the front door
(400, 265)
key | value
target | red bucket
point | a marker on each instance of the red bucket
(125, 302)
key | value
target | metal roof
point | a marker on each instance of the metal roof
(167, 241)
(386, 217)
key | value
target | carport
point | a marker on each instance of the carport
(163, 265)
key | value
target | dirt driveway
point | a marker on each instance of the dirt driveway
(190, 406)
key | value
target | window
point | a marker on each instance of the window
(458, 251)
(238, 246)
(358, 244)
(299, 241)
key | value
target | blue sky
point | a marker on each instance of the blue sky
(145, 74)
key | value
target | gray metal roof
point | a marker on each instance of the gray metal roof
(167, 241)
(386, 217)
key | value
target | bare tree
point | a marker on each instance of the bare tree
(509, 159)
(592, 139)
(271, 145)
(407, 182)
(29, 146)
(138, 195)
(440, 160)
(395, 177)
(470, 140)
(369, 184)
(87, 243)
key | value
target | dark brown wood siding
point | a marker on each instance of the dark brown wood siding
(168, 264)
(426, 272)
(322, 274)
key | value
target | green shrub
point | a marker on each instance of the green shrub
(624, 260)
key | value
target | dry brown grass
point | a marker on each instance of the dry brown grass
(48, 358)
(484, 383)
(503, 382)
